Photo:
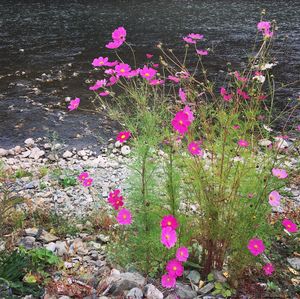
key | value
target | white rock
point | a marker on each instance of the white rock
(36, 153)
(125, 150)
(67, 154)
(29, 142)
(26, 154)
(47, 146)
(118, 144)
(17, 149)
(82, 153)
(51, 246)
(3, 152)
(152, 292)
(264, 142)
(61, 248)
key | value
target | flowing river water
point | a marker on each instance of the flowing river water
(46, 49)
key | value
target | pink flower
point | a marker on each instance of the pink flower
(265, 27)
(168, 281)
(168, 237)
(182, 95)
(114, 45)
(243, 94)
(87, 182)
(227, 97)
(236, 127)
(123, 136)
(115, 193)
(187, 110)
(196, 36)
(148, 73)
(181, 122)
(116, 202)
(110, 71)
(104, 93)
(113, 80)
(256, 246)
(243, 143)
(279, 173)
(124, 217)
(174, 79)
(274, 199)
(189, 40)
(133, 73)
(298, 128)
(122, 69)
(113, 63)
(119, 34)
(156, 82)
(169, 221)
(174, 268)
(155, 65)
(182, 254)
(202, 52)
(98, 84)
(101, 61)
(74, 104)
(239, 77)
(268, 269)
(149, 56)
(195, 149)
(84, 175)
(290, 226)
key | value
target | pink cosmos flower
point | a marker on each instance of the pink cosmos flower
(174, 268)
(227, 97)
(182, 95)
(116, 202)
(195, 149)
(147, 72)
(101, 61)
(98, 84)
(133, 73)
(187, 110)
(169, 221)
(256, 246)
(279, 173)
(74, 104)
(113, 63)
(123, 136)
(113, 80)
(239, 77)
(265, 27)
(174, 79)
(156, 82)
(124, 217)
(236, 127)
(181, 122)
(243, 143)
(268, 269)
(122, 69)
(115, 193)
(168, 281)
(182, 254)
(202, 52)
(196, 36)
(168, 237)
(149, 56)
(84, 175)
(87, 182)
(189, 40)
(119, 34)
(243, 94)
(155, 65)
(274, 199)
(290, 226)
(110, 71)
(114, 44)
(104, 93)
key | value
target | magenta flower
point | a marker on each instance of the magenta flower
(256, 246)
(124, 217)
(182, 254)
(174, 268)
(155, 65)
(123, 136)
(115, 193)
(174, 79)
(114, 45)
(243, 94)
(239, 77)
(202, 52)
(119, 34)
(98, 84)
(84, 175)
(195, 149)
(74, 104)
(122, 69)
(290, 226)
(265, 27)
(181, 122)
(274, 199)
(104, 93)
(268, 269)
(101, 61)
(113, 80)
(113, 63)
(182, 95)
(156, 82)
(243, 143)
(196, 36)
(133, 73)
(236, 127)
(147, 72)
(149, 56)
(169, 221)
(168, 281)
(168, 237)
(189, 40)
(227, 97)
(87, 182)
(279, 173)
(187, 110)
(116, 202)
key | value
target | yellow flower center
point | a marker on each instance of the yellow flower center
(167, 237)
(289, 226)
(169, 223)
(255, 246)
(124, 216)
(147, 75)
(181, 253)
(193, 148)
(122, 71)
(101, 62)
(174, 268)
(180, 122)
(123, 136)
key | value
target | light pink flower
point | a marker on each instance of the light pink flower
(168, 237)
(156, 82)
(290, 226)
(101, 61)
(133, 73)
(187, 110)
(274, 199)
(168, 281)
(256, 246)
(124, 217)
(265, 27)
(236, 127)
(114, 44)
(98, 84)
(113, 80)
(83, 175)
(119, 34)
(195, 149)
(279, 173)
(123, 136)
(87, 182)
(174, 79)
(243, 94)
(122, 69)
(243, 143)
(268, 269)
(149, 56)
(227, 97)
(147, 72)
(113, 63)
(239, 77)
(182, 95)
(189, 40)
(104, 93)
(174, 268)
(202, 52)
(298, 128)
(74, 104)
(181, 122)
(169, 221)
(196, 36)
(182, 254)
(155, 65)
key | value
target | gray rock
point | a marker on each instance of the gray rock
(3, 152)
(294, 262)
(29, 142)
(185, 291)
(27, 242)
(125, 150)
(43, 236)
(207, 288)
(67, 154)
(102, 238)
(51, 246)
(218, 276)
(36, 153)
(135, 293)
(194, 276)
(151, 292)
(61, 248)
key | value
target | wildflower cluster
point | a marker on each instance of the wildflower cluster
(85, 179)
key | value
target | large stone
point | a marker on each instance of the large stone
(135, 293)
(194, 276)
(43, 235)
(61, 248)
(218, 276)
(36, 153)
(27, 242)
(207, 288)
(125, 150)
(29, 142)
(294, 262)
(79, 247)
(151, 292)
(67, 154)
(185, 291)
(3, 152)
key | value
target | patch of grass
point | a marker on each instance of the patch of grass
(21, 173)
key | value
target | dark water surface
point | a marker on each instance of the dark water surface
(46, 48)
